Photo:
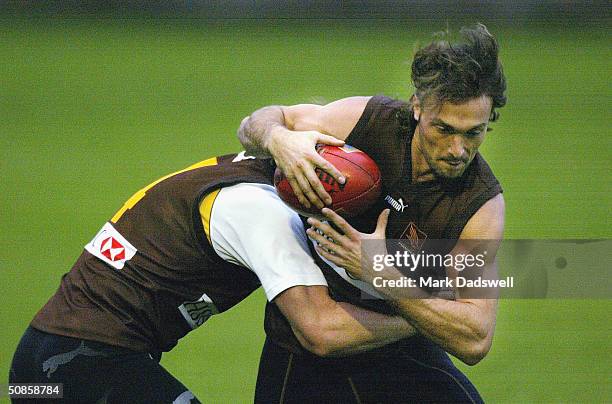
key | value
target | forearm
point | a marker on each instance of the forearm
(348, 329)
(461, 328)
(464, 327)
(256, 131)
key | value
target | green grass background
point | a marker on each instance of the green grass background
(90, 111)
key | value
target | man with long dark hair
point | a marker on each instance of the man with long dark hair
(435, 186)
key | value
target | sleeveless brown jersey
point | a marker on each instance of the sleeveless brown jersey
(150, 275)
(433, 210)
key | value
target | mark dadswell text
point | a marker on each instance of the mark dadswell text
(431, 282)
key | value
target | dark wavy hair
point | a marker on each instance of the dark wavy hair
(457, 72)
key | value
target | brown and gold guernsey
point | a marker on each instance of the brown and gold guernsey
(150, 275)
(437, 209)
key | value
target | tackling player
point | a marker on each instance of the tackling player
(436, 186)
(190, 245)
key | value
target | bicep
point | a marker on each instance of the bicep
(336, 119)
(482, 235)
(488, 221)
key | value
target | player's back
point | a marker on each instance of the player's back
(150, 276)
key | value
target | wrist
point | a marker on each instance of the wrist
(274, 138)
(405, 328)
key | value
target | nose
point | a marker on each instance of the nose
(456, 148)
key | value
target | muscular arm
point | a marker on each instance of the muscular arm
(329, 328)
(463, 327)
(289, 135)
(248, 225)
(266, 127)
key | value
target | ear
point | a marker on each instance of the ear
(416, 107)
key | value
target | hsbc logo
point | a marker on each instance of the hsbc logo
(111, 247)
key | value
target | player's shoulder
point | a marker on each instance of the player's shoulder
(488, 221)
(389, 102)
(483, 174)
(378, 103)
(247, 194)
(364, 106)
(249, 203)
(379, 108)
(385, 110)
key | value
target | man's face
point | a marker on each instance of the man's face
(449, 135)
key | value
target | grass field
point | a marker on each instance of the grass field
(93, 110)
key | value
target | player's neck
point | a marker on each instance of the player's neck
(421, 172)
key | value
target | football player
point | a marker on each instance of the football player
(188, 246)
(435, 186)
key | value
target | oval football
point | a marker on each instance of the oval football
(360, 190)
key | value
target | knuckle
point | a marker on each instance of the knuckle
(327, 166)
(302, 164)
(321, 162)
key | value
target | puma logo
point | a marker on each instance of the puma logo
(51, 364)
(396, 204)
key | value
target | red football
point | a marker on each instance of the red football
(360, 190)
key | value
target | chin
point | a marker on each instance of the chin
(456, 174)
(449, 174)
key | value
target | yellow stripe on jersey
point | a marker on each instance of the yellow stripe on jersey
(129, 204)
(206, 210)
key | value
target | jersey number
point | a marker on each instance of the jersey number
(134, 199)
